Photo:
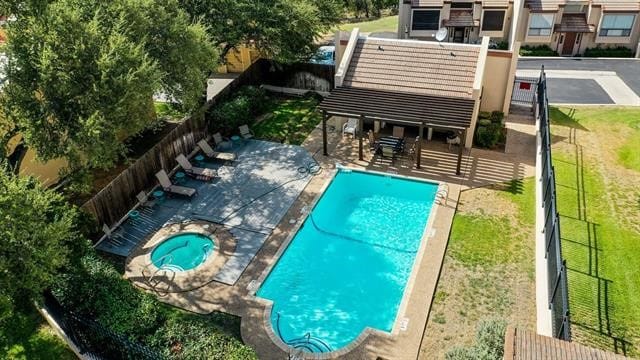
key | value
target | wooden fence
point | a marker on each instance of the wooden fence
(114, 201)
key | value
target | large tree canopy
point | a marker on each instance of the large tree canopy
(82, 73)
(37, 239)
(283, 30)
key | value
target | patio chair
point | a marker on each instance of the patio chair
(245, 132)
(168, 187)
(199, 173)
(212, 154)
(144, 201)
(221, 142)
(389, 152)
(350, 127)
(373, 144)
(413, 149)
(398, 131)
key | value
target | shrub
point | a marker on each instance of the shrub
(489, 136)
(242, 109)
(496, 117)
(540, 50)
(489, 344)
(598, 51)
(96, 290)
(188, 336)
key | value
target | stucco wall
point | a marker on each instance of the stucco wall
(496, 80)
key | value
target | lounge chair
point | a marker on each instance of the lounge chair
(212, 154)
(221, 142)
(168, 187)
(398, 131)
(350, 127)
(199, 173)
(245, 132)
(144, 201)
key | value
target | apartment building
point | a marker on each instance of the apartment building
(566, 26)
(467, 21)
(569, 27)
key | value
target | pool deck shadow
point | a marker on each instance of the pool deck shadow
(479, 168)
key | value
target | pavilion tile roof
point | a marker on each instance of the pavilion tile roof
(419, 67)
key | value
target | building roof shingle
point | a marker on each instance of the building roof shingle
(419, 67)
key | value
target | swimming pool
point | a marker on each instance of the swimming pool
(182, 252)
(348, 265)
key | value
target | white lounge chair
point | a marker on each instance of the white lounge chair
(208, 150)
(167, 186)
(200, 173)
(143, 199)
(221, 142)
(245, 132)
(350, 127)
(398, 131)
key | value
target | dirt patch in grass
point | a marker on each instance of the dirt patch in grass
(488, 269)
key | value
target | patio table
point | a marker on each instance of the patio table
(180, 177)
(235, 141)
(395, 142)
(134, 215)
(158, 195)
(199, 160)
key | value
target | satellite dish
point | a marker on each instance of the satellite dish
(442, 34)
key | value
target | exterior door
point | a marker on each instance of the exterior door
(569, 42)
(458, 35)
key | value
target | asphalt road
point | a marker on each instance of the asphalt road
(584, 91)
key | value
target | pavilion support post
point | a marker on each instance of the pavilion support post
(419, 146)
(460, 147)
(325, 152)
(360, 146)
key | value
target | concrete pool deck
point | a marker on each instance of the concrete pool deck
(480, 168)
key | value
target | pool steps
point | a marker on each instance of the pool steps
(307, 342)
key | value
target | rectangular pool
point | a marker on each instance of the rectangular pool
(348, 265)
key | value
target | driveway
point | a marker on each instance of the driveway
(588, 81)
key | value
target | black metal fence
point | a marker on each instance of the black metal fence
(556, 265)
(94, 341)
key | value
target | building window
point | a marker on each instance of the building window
(541, 24)
(425, 20)
(616, 25)
(492, 20)
(461, 5)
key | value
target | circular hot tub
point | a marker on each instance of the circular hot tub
(182, 252)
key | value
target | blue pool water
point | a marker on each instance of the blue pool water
(182, 252)
(347, 267)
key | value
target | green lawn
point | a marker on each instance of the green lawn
(289, 120)
(488, 270)
(30, 337)
(387, 23)
(597, 160)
